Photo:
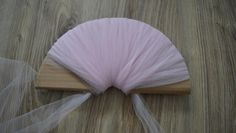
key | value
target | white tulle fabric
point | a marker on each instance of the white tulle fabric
(117, 52)
(15, 79)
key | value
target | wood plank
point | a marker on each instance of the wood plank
(204, 31)
(52, 76)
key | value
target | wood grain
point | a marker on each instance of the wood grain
(203, 30)
(52, 76)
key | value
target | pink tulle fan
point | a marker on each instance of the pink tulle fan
(119, 52)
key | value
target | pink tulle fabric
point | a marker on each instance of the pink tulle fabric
(119, 52)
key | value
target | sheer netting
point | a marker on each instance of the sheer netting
(117, 52)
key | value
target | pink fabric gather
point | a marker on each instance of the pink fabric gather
(119, 52)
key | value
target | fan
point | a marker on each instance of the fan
(94, 56)
(114, 52)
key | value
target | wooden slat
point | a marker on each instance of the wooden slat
(52, 76)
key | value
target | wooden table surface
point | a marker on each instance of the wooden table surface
(203, 30)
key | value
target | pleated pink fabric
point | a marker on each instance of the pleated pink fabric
(107, 52)
(119, 52)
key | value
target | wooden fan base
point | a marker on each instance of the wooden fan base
(52, 76)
